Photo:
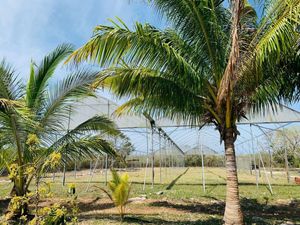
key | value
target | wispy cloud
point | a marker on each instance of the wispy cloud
(31, 28)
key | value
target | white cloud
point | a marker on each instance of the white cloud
(20, 26)
(31, 28)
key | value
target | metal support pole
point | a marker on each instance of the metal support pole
(64, 175)
(269, 183)
(159, 157)
(75, 169)
(271, 162)
(106, 165)
(256, 172)
(270, 152)
(152, 149)
(147, 159)
(202, 163)
(90, 172)
(172, 158)
(286, 165)
(166, 159)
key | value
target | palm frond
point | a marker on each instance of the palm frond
(60, 97)
(146, 46)
(97, 125)
(87, 147)
(39, 77)
(11, 88)
(152, 91)
(276, 34)
(203, 24)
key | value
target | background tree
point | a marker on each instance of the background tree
(34, 121)
(125, 148)
(286, 140)
(212, 66)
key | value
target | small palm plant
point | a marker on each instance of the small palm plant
(120, 189)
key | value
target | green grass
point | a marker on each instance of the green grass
(185, 202)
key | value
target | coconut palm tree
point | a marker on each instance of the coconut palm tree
(212, 66)
(33, 120)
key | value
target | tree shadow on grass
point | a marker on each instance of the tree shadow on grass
(150, 219)
(90, 206)
(212, 208)
(255, 212)
(290, 211)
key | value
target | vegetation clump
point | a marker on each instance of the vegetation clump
(119, 188)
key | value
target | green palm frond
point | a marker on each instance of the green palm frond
(87, 147)
(60, 96)
(121, 44)
(15, 120)
(96, 127)
(40, 75)
(156, 93)
(275, 36)
(32, 120)
(97, 124)
(202, 23)
(11, 88)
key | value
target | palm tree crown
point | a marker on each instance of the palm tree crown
(33, 119)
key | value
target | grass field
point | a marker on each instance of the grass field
(182, 200)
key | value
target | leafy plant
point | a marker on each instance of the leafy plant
(34, 117)
(119, 188)
(54, 215)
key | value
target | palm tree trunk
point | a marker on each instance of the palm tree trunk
(19, 188)
(233, 213)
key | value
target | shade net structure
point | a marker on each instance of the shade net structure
(161, 143)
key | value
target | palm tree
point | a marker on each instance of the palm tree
(212, 66)
(119, 187)
(33, 121)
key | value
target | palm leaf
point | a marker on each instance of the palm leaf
(59, 98)
(38, 78)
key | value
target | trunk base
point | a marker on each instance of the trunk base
(233, 213)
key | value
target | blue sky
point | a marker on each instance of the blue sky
(32, 28)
